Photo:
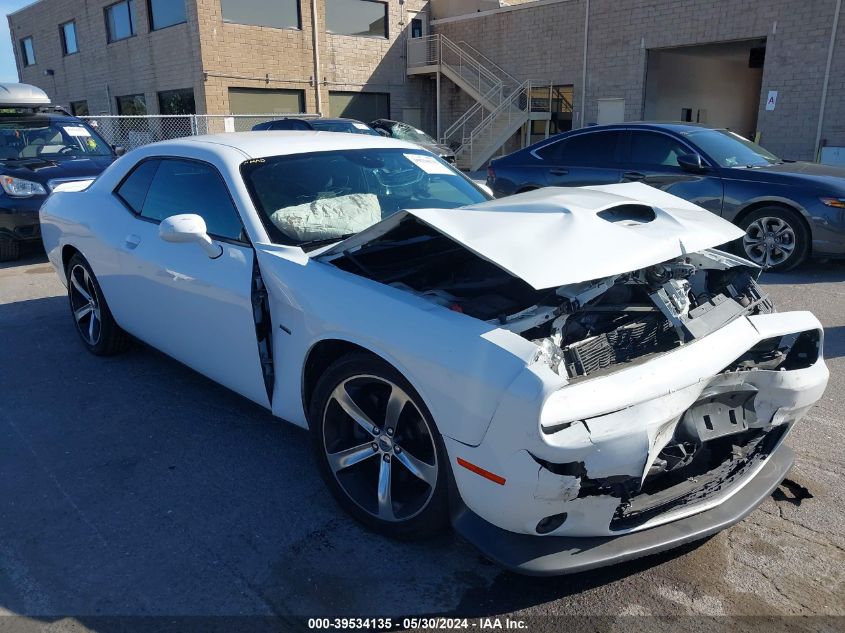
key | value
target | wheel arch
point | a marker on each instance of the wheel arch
(69, 251)
(777, 202)
(325, 352)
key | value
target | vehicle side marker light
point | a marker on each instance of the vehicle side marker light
(478, 470)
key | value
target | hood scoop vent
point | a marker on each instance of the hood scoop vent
(628, 214)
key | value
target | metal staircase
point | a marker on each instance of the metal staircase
(502, 104)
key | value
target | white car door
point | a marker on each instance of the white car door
(175, 297)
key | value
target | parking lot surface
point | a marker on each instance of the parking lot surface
(134, 486)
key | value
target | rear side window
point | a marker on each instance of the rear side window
(595, 149)
(287, 124)
(157, 189)
(653, 148)
(133, 190)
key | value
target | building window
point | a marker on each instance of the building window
(79, 108)
(362, 18)
(27, 51)
(120, 20)
(363, 106)
(68, 36)
(131, 104)
(164, 13)
(177, 102)
(279, 14)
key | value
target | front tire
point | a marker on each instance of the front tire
(91, 315)
(776, 238)
(378, 449)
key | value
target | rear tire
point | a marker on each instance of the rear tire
(10, 250)
(91, 315)
(776, 238)
(378, 449)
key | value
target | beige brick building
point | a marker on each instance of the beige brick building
(223, 56)
(710, 60)
(772, 69)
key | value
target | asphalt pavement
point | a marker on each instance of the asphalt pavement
(132, 486)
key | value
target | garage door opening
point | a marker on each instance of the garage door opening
(717, 84)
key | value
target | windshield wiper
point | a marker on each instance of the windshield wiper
(324, 240)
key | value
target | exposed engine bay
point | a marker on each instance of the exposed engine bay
(580, 329)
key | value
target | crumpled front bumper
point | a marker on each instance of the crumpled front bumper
(611, 429)
(557, 555)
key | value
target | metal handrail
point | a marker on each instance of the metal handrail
(487, 124)
(489, 61)
(490, 97)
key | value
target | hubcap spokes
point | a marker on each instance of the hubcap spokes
(370, 424)
(86, 308)
(769, 241)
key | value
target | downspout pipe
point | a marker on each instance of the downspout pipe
(584, 64)
(827, 79)
(316, 47)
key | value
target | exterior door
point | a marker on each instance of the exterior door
(417, 30)
(587, 158)
(652, 157)
(174, 296)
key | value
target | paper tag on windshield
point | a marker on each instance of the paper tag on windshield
(429, 164)
(361, 126)
(76, 130)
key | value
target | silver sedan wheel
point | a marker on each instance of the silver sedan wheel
(769, 241)
(84, 304)
(380, 448)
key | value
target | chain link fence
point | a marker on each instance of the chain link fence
(134, 131)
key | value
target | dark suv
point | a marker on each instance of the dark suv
(788, 209)
(38, 150)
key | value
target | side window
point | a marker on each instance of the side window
(180, 186)
(653, 148)
(552, 151)
(594, 149)
(133, 190)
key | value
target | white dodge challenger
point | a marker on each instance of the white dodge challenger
(571, 377)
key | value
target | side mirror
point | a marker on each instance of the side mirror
(119, 150)
(187, 228)
(692, 162)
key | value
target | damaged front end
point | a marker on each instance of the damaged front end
(663, 384)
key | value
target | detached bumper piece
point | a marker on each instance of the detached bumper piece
(556, 555)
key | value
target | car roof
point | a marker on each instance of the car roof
(315, 118)
(674, 126)
(261, 144)
(36, 116)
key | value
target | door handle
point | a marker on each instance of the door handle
(633, 175)
(558, 171)
(132, 241)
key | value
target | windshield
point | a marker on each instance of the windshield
(352, 127)
(405, 132)
(52, 140)
(311, 199)
(731, 150)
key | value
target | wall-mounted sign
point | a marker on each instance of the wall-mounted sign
(772, 100)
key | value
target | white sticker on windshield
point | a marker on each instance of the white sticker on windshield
(76, 130)
(361, 126)
(429, 164)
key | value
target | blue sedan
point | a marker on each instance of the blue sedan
(788, 209)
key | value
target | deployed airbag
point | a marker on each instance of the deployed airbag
(327, 218)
